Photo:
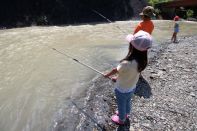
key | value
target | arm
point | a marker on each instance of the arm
(138, 27)
(112, 72)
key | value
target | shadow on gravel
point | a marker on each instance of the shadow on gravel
(143, 88)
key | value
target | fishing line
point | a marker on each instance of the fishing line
(108, 20)
(87, 115)
(76, 60)
(95, 70)
(81, 110)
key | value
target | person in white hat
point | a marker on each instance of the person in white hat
(128, 72)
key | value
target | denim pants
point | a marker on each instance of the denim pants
(124, 103)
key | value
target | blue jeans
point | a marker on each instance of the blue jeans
(124, 103)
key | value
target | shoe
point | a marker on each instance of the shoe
(176, 41)
(120, 128)
(116, 120)
(127, 125)
(117, 113)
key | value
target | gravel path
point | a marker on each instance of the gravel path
(173, 80)
(167, 99)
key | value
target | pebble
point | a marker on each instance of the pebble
(162, 117)
(192, 94)
(146, 125)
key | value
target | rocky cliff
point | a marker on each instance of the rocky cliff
(60, 12)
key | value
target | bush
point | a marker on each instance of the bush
(153, 2)
(190, 13)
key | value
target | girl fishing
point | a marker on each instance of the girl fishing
(128, 72)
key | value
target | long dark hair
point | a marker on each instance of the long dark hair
(139, 56)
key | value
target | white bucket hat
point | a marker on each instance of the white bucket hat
(141, 40)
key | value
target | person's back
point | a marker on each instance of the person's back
(128, 74)
(147, 24)
(176, 27)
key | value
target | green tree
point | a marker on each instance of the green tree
(153, 2)
(190, 13)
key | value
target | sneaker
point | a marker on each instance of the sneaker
(116, 120)
(117, 113)
(127, 125)
(121, 128)
(176, 41)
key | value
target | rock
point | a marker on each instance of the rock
(152, 77)
(187, 70)
(192, 94)
(169, 59)
(146, 125)
(131, 129)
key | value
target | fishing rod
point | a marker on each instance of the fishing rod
(79, 62)
(108, 20)
(80, 109)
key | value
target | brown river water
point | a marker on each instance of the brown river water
(36, 82)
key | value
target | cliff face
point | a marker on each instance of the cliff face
(57, 12)
(137, 6)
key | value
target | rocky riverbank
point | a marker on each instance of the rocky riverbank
(167, 99)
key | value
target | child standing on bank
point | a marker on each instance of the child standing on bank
(176, 29)
(146, 24)
(128, 72)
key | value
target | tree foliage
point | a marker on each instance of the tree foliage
(153, 2)
(189, 13)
